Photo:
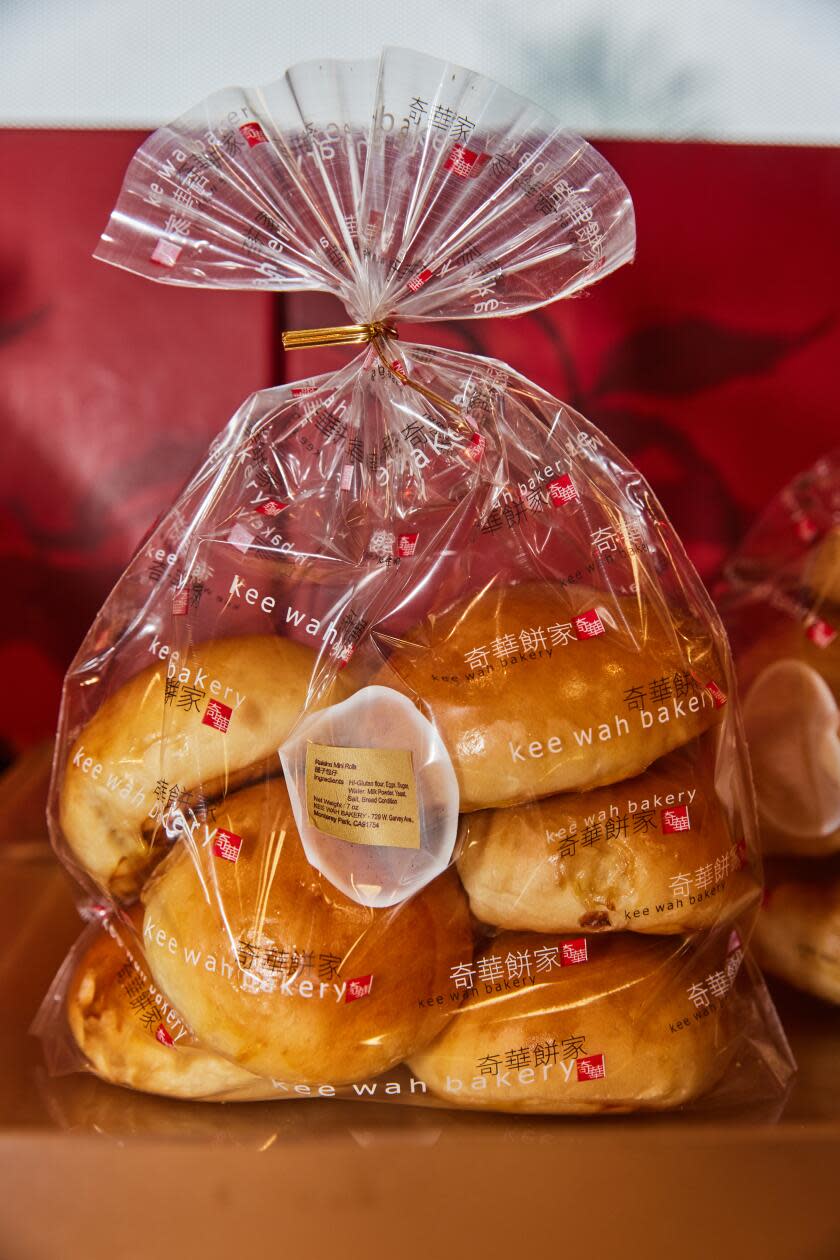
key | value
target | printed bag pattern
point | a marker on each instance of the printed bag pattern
(781, 605)
(404, 759)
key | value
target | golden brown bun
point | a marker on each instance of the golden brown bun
(301, 943)
(797, 935)
(788, 640)
(793, 731)
(115, 1020)
(497, 722)
(584, 861)
(141, 741)
(822, 572)
(630, 1003)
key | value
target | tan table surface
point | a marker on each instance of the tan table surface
(90, 1170)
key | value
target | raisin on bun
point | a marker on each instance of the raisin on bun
(652, 854)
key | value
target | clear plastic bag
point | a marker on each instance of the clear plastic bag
(781, 604)
(411, 726)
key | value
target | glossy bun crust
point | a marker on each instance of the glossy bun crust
(788, 641)
(797, 933)
(293, 979)
(115, 1021)
(613, 859)
(143, 735)
(560, 716)
(618, 1032)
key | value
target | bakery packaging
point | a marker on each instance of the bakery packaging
(125, 1028)
(781, 605)
(647, 1023)
(797, 934)
(406, 751)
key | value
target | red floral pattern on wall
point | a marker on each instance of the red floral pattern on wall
(712, 361)
(110, 389)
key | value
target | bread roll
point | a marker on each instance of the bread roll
(791, 689)
(644, 1024)
(652, 854)
(531, 701)
(123, 1031)
(797, 934)
(154, 737)
(274, 967)
(789, 640)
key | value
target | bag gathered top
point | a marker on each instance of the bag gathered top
(404, 761)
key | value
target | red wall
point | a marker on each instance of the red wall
(110, 389)
(713, 361)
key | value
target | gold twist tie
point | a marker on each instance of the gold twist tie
(340, 335)
(362, 335)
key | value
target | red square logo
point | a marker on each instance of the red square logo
(343, 653)
(217, 715)
(420, 279)
(821, 633)
(181, 602)
(166, 253)
(464, 162)
(407, 544)
(591, 1068)
(589, 625)
(253, 133)
(563, 491)
(358, 988)
(717, 695)
(226, 845)
(675, 819)
(476, 447)
(301, 390)
(573, 952)
(271, 507)
(163, 1036)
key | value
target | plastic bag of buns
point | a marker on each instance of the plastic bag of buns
(781, 604)
(404, 760)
